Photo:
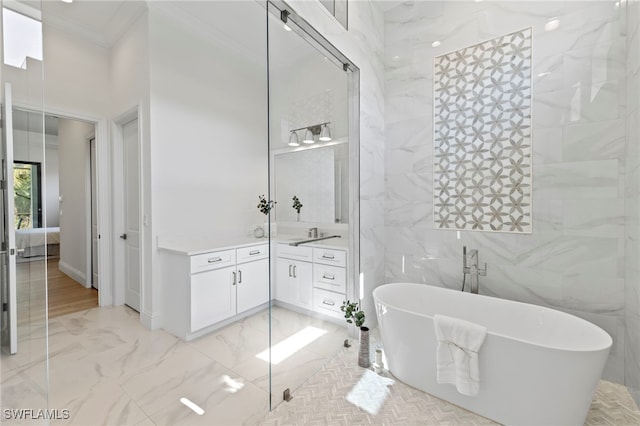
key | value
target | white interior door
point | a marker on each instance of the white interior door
(94, 216)
(9, 314)
(131, 235)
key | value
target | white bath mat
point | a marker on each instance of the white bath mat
(370, 392)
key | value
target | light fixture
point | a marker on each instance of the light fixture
(293, 139)
(308, 136)
(436, 43)
(552, 24)
(321, 130)
(325, 133)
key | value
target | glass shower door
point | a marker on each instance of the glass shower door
(310, 146)
(24, 366)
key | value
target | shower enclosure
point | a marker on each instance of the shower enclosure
(235, 304)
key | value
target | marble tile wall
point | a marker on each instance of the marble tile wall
(632, 205)
(574, 259)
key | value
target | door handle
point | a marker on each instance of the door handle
(233, 278)
(290, 270)
(294, 271)
(239, 277)
(123, 236)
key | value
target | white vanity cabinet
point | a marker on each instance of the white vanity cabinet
(329, 280)
(252, 277)
(294, 275)
(201, 290)
(213, 297)
(312, 277)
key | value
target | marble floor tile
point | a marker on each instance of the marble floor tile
(104, 403)
(289, 373)
(233, 344)
(226, 400)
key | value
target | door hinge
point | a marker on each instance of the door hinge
(5, 307)
(3, 184)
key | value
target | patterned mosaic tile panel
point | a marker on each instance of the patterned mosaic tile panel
(482, 136)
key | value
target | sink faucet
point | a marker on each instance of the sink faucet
(470, 266)
(313, 233)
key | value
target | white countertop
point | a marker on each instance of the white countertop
(195, 246)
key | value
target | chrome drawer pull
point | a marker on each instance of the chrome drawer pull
(324, 256)
(328, 277)
(330, 302)
(233, 278)
(214, 259)
(254, 252)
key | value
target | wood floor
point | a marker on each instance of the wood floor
(65, 295)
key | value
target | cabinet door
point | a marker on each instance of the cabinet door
(253, 284)
(285, 289)
(213, 297)
(303, 282)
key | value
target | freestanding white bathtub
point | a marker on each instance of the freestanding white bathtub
(538, 366)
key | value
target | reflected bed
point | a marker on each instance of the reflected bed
(31, 242)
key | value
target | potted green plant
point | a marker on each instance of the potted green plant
(297, 205)
(265, 208)
(354, 315)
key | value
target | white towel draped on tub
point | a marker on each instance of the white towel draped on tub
(457, 355)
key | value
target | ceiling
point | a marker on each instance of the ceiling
(238, 25)
(102, 22)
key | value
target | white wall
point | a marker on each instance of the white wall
(208, 130)
(27, 146)
(74, 190)
(129, 88)
(76, 74)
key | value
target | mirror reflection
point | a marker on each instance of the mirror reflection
(318, 177)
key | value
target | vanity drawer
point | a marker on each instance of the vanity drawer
(295, 252)
(247, 254)
(328, 302)
(330, 256)
(331, 278)
(212, 260)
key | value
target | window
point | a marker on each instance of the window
(22, 37)
(27, 195)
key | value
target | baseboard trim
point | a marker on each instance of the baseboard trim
(150, 321)
(72, 272)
